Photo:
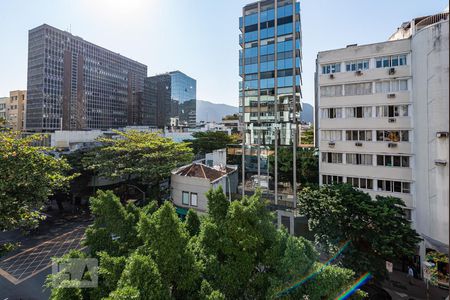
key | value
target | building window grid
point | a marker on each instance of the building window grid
(331, 179)
(361, 183)
(394, 186)
(358, 135)
(332, 157)
(357, 65)
(390, 61)
(331, 68)
(393, 161)
(392, 111)
(359, 159)
(392, 135)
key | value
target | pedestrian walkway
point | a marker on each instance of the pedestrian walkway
(399, 288)
(34, 260)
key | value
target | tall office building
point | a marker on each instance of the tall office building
(382, 121)
(269, 94)
(16, 110)
(75, 85)
(174, 95)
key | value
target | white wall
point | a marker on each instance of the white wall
(430, 61)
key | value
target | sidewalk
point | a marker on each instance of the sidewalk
(399, 288)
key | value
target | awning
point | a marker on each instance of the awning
(181, 211)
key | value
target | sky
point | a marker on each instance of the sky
(197, 37)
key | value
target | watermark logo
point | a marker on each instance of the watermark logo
(75, 272)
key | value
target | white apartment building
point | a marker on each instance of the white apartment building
(382, 122)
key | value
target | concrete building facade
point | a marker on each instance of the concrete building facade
(382, 122)
(16, 110)
(3, 101)
(76, 85)
(189, 184)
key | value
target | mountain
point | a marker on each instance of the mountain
(213, 112)
(307, 115)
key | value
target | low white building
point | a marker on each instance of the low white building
(189, 184)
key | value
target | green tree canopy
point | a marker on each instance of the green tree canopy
(28, 176)
(377, 229)
(307, 165)
(145, 156)
(237, 253)
(208, 141)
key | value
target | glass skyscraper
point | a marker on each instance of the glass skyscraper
(76, 85)
(175, 96)
(270, 90)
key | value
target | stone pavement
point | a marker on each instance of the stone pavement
(400, 289)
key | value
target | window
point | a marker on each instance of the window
(389, 86)
(185, 199)
(393, 161)
(330, 157)
(331, 91)
(393, 135)
(358, 89)
(361, 183)
(358, 112)
(390, 61)
(194, 199)
(330, 179)
(357, 65)
(394, 186)
(331, 135)
(331, 113)
(358, 135)
(391, 111)
(331, 68)
(359, 159)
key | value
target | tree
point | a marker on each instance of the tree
(377, 230)
(307, 165)
(308, 136)
(28, 176)
(166, 241)
(114, 229)
(141, 273)
(208, 141)
(143, 156)
(192, 222)
(238, 253)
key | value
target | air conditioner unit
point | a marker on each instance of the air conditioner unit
(392, 145)
(331, 144)
(441, 134)
(358, 73)
(331, 76)
(391, 71)
(392, 120)
(391, 95)
(358, 144)
(440, 162)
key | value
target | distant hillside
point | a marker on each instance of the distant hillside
(212, 112)
(307, 114)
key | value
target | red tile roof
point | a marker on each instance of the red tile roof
(202, 171)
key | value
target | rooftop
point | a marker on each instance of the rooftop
(203, 171)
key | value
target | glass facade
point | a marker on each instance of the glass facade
(76, 85)
(174, 97)
(270, 68)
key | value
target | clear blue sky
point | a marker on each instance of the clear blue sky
(198, 37)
